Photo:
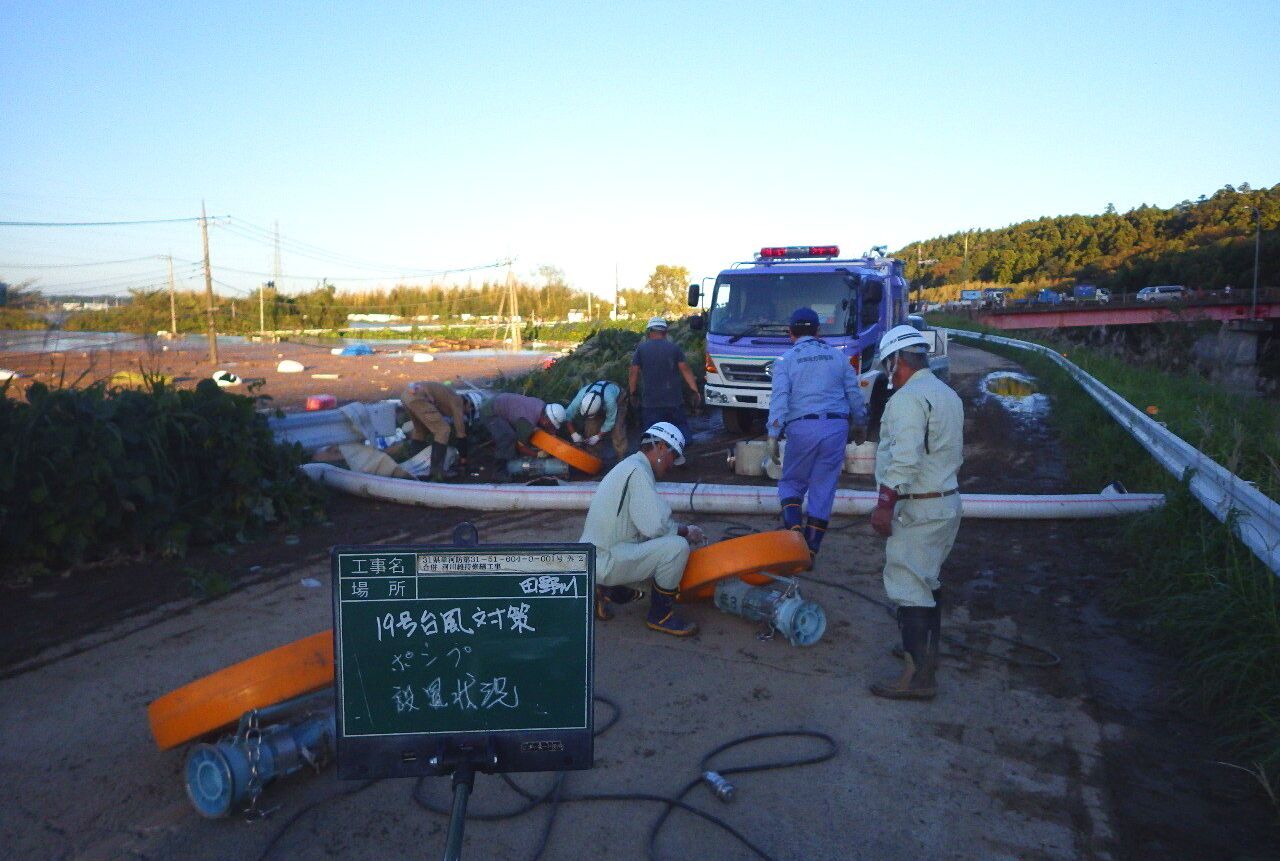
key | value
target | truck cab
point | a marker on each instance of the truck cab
(857, 300)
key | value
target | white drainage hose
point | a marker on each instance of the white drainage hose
(712, 498)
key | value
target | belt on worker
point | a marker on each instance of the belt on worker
(937, 494)
(844, 416)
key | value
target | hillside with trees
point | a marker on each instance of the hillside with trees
(1206, 244)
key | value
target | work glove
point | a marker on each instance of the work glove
(540, 454)
(882, 517)
(576, 437)
(594, 439)
(771, 449)
(857, 434)
(694, 534)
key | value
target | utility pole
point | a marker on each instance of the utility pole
(262, 310)
(173, 306)
(208, 286)
(613, 315)
(1257, 260)
(516, 334)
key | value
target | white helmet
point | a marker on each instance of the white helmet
(592, 401)
(472, 400)
(656, 323)
(901, 338)
(668, 433)
(556, 413)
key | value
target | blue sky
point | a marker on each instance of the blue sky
(434, 136)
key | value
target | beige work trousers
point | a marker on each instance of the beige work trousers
(428, 422)
(924, 531)
(662, 558)
(618, 436)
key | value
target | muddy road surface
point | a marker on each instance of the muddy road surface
(1085, 759)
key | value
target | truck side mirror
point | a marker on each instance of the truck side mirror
(695, 295)
(697, 322)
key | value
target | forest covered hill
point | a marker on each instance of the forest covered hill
(1204, 244)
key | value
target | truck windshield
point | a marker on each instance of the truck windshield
(762, 303)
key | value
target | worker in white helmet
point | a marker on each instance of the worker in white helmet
(602, 409)
(440, 416)
(636, 538)
(512, 419)
(918, 507)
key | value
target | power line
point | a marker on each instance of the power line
(78, 265)
(103, 223)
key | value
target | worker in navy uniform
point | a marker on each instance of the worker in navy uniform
(918, 507)
(817, 404)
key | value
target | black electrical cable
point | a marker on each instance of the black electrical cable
(555, 794)
(736, 528)
(304, 810)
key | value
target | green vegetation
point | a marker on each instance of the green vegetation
(1206, 245)
(1197, 588)
(16, 318)
(604, 355)
(148, 311)
(90, 472)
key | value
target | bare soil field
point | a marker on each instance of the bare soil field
(1089, 759)
(383, 374)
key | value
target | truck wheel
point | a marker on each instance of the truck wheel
(781, 551)
(739, 420)
(219, 699)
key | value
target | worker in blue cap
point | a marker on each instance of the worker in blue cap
(817, 404)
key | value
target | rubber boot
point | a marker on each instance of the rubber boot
(415, 446)
(606, 596)
(935, 637)
(915, 682)
(791, 513)
(814, 531)
(662, 614)
(438, 452)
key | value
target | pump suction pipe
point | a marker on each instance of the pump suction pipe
(229, 775)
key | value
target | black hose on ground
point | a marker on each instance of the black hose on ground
(555, 795)
(737, 529)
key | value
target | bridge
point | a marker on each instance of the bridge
(1215, 308)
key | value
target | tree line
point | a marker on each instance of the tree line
(326, 307)
(1206, 244)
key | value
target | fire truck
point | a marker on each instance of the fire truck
(857, 300)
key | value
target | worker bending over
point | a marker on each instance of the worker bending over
(918, 509)
(512, 419)
(602, 408)
(440, 417)
(635, 537)
(817, 403)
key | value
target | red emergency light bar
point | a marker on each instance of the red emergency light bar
(792, 251)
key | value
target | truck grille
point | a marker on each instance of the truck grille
(739, 373)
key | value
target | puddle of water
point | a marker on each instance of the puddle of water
(1016, 393)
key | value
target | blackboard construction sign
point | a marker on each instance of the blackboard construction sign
(447, 648)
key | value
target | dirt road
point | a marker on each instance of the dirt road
(1084, 760)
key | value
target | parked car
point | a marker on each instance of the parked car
(1162, 293)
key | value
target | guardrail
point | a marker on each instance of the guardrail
(1252, 516)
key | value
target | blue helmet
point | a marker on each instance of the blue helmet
(804, 317)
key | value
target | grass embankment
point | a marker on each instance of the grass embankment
(88, 473)
(1193, 584)
(530, 332)
(604, 355)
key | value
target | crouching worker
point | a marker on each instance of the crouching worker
(635, 537)
(511, 419)
(602, 408)
(440, 416)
